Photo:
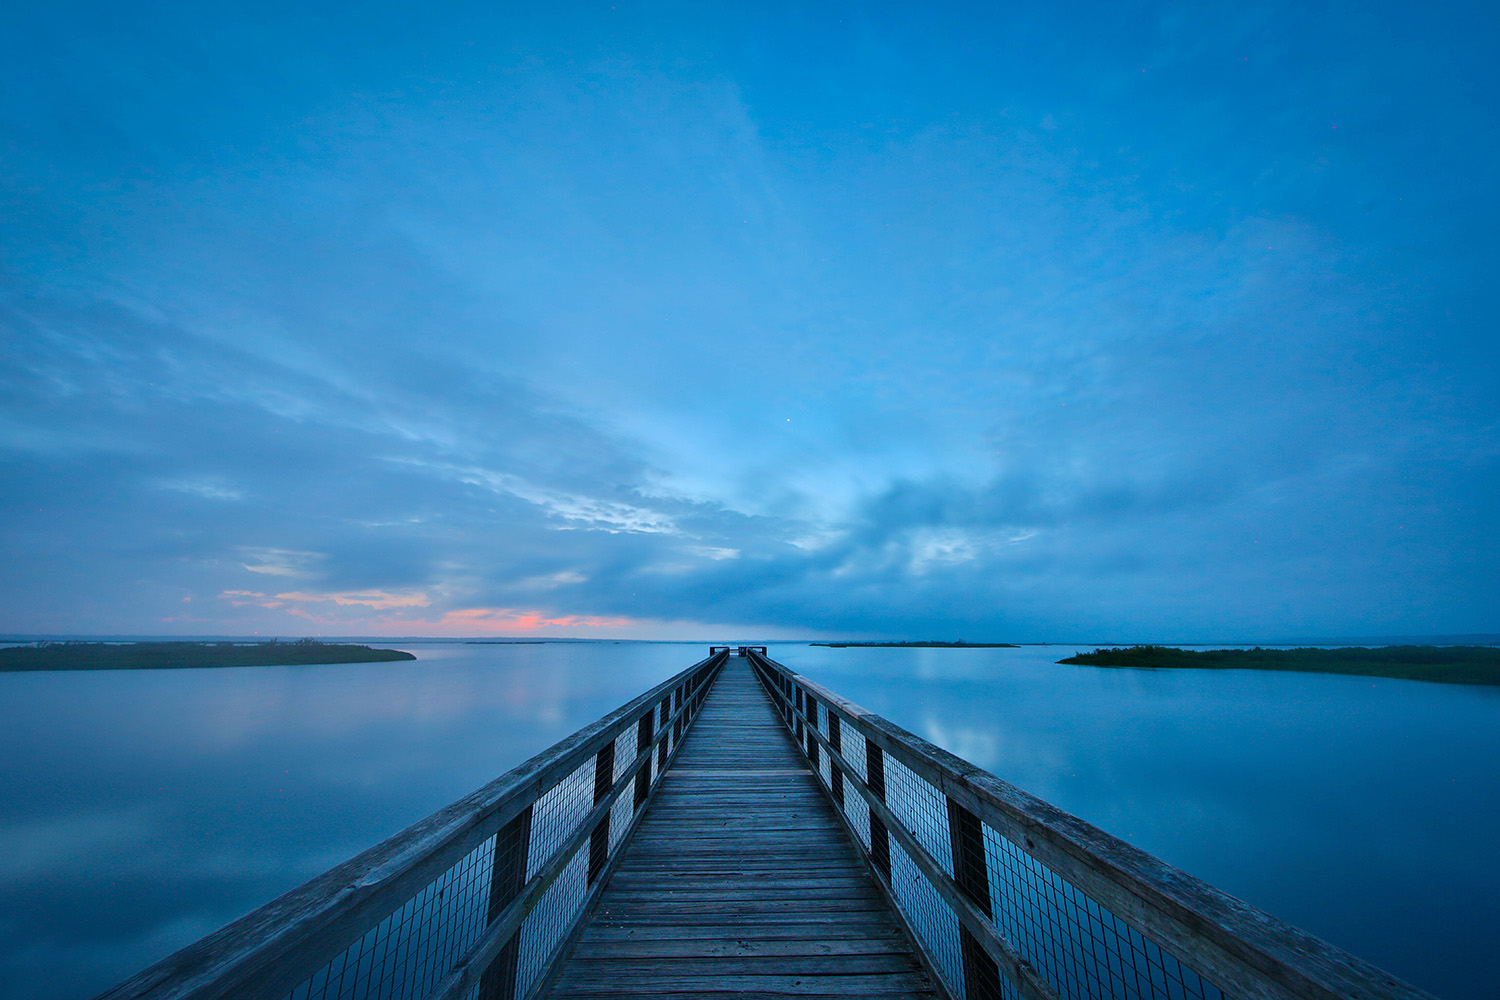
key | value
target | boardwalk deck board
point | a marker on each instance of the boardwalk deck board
(740, 880)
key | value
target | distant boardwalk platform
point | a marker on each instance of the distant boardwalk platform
(741, 831)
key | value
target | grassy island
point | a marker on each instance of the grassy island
(1443, 664)
(918, 644)
(170, 655)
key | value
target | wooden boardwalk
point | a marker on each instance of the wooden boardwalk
(740, 880)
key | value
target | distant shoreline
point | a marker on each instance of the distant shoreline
(931, 644)
(1436, 664)
(187, 655)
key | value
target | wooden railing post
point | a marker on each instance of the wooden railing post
(507, 878)
(836, 740)
(662, 748)
(880, 837)
(971, 875)
(812, 727)
(643, 734)
(604, 779)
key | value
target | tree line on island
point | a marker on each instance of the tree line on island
(84, 655)
(1444, 664)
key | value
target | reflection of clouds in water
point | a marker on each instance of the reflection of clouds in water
(32, 847)
(977, 746)
(333, 703)
(992, 745)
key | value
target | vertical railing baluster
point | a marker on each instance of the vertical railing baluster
(507, 878)
(812, 728)
(836, 741)
(661, 748)
(677, 726)
(643, 734)
(604, 779)
(880, 837)
(971, 874)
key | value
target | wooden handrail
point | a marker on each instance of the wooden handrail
(1244, 951)
(266, 953)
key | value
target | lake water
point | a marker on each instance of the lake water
(140, 810)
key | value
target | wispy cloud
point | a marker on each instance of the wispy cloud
(378, 600)
(281, 562)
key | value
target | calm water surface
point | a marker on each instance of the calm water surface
(140, 810)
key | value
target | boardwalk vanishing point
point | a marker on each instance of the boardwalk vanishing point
(741, 879)
(741, 831)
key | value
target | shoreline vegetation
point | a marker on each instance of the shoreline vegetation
(918, 644)
(187, 655)
(1438, 664)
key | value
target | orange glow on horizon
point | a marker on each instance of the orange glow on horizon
(501, 621)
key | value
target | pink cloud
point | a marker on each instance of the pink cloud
(501, 621)
(380, 600)
(248, 598)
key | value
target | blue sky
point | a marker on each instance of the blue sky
(651, 320)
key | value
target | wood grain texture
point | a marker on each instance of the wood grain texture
(740, 881)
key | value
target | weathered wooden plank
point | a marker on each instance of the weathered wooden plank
(611, 983)
(661, 947)
(749, 924)
(733, 910)
(738, 994)
(581, 966)
(792, 930)
(709, 864)
(744, 894)
(632, 881)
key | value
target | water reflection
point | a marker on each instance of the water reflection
(141, 810)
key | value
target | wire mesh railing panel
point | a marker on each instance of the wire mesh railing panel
(929, 917)
(922, 809)
(859, 818)
(557, 813)
(620, 816)
(624, 754)
(406, 954)
(668, 745)
(1081, 948)
(550, 921)
(853, 749)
